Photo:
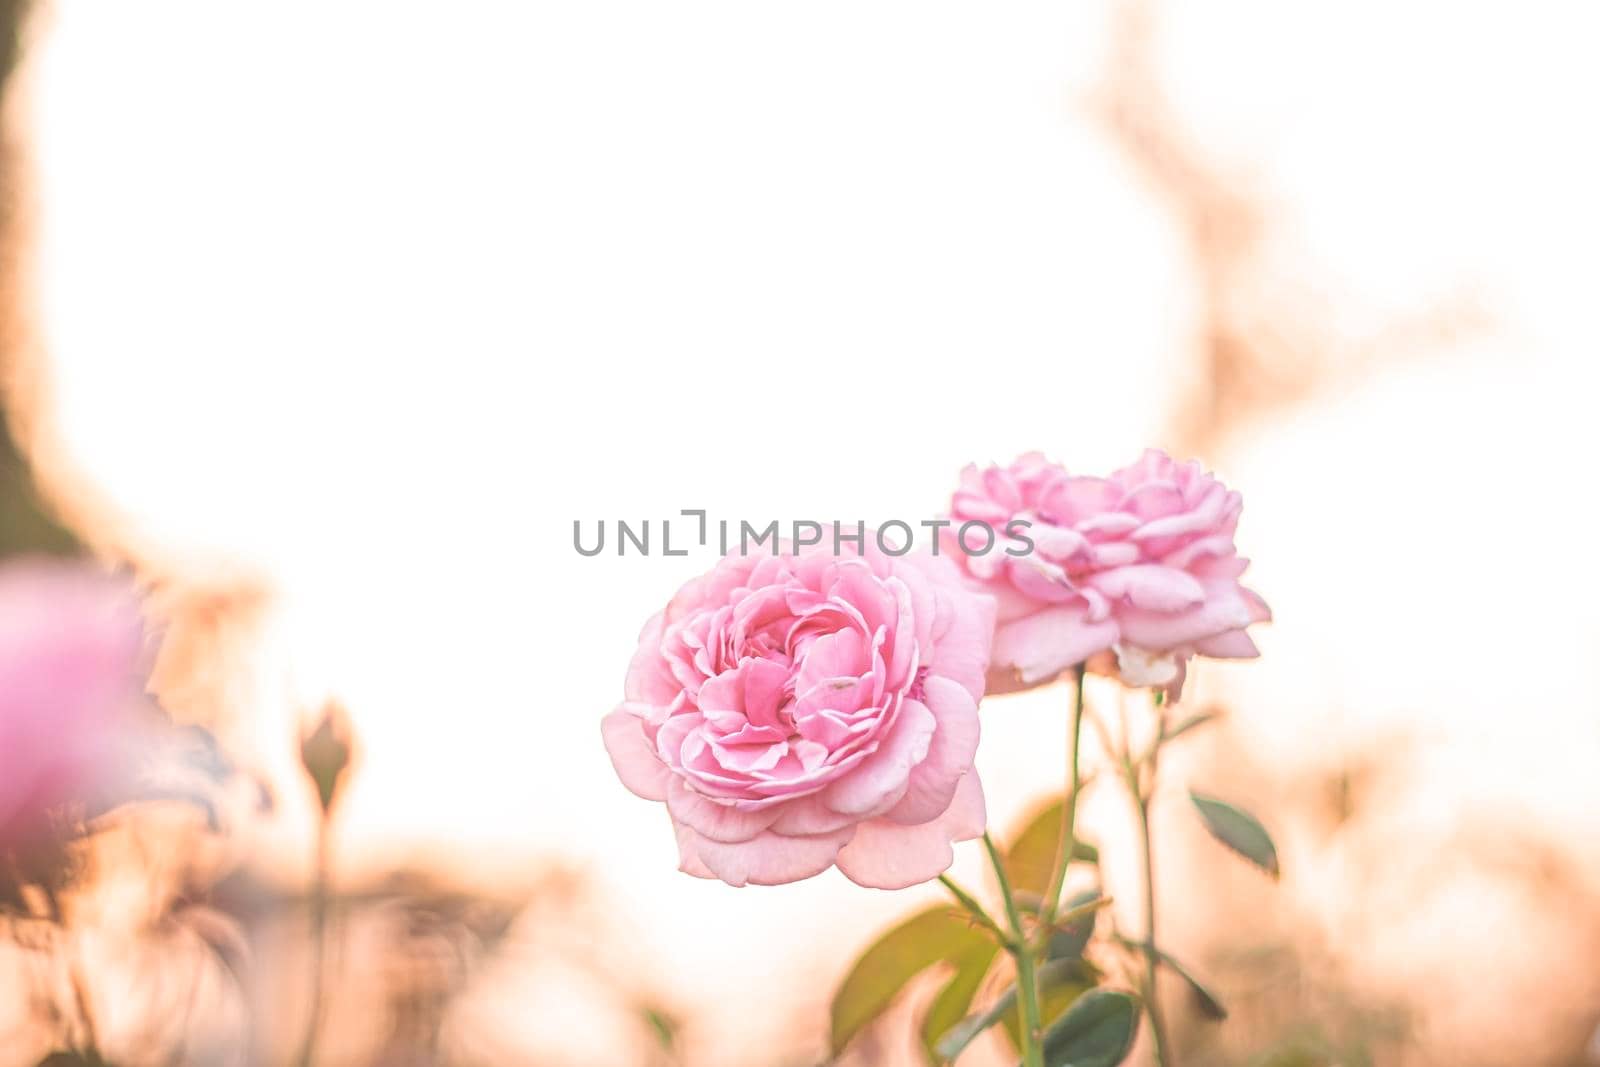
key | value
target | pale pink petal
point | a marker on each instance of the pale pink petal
(967, 816)
(722, 695)
(1078, 497)
(903, 635)
(1037, 648)
(718, 821)
(1224, 609)
(886, 855)
(1202, 518)
(649, 681)
(1109, 554)
(963, 639)
(779, 703)
(955, 742)
(1002, 488)
(1057, 543)
(634, 758)
(1010, 603)
(883, 777)
(1041, 581)
(841, 654)
(1105, 526)
(1148, 553)
(689, 861)
(768, 859)
(75, 721)
(1141, 668)
(1199, 555)
(809, 815)
(763, 690)
(1152, 464)
(1154, 501)
(974, 507)
(1235, 644)
(1151, 586)
(1259, 612)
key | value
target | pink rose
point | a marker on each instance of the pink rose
(799, 713)
(72, 670)
(1141, 564)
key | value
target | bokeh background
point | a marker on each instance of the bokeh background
(326, 320)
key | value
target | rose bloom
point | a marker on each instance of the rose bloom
(1133, 573)
(797, 713)
(73, 665)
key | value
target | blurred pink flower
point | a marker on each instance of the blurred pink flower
(73, 665)
(1141, 565)
(799, 713)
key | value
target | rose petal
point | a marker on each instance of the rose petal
(649, 681)
(809, 815)
(1151, 586)
(1041, 581)
(1202, 517)
(689, 861)
(963, 638)
(767, 859)
(1141, 668)
(883, 777)
(634, 758)
(1224, 609)
(885, 855)
(1235, 644)
(722, 821)
(1041, 646)
(955, 741)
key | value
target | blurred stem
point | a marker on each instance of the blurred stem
(319, 940)
(970, 903)
(91, 1041)
(1142, 796)
(1072, 915)
(1022, 955)
(1068, 841)
(80, 999)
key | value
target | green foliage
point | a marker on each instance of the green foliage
(1206, 1002)
(26, 525)
(955, 999)
(899, 955)
(1068, 940)
(1061, 982)
(1239, 830)
(1063, 977)
(663, 1026)
(1031, 856)
(1097, 1031)
(956, 1039)
(71, 1059)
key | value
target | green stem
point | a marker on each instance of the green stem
(319, 939)
(1068, 841)
(1072, 915)
(970, 903)
(1152, 955)
(1027, 985)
